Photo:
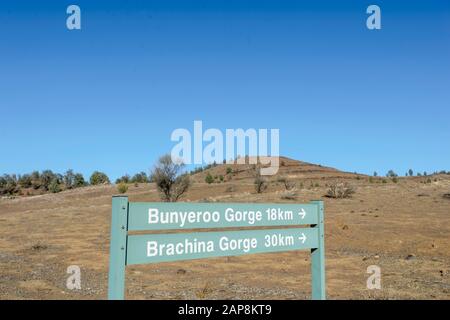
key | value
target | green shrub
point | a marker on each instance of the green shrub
(209, 178)
(229, 170)
(99, 178)
(8, 184)
(78, 181)
(54, 186)
(69, 179)
(122, 187)
(140, 177)
(46, 177)
(25, 181)
(35, 180)
(124, 179)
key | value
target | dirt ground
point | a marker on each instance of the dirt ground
(403, 227)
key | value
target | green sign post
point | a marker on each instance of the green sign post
(128, 249)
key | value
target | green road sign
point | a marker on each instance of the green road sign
(185, 246)
(163, 216)
(128, 249)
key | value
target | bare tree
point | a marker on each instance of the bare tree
(260, 182)
(169, 178)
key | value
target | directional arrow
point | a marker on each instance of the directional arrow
(302, 238)
(302, 213)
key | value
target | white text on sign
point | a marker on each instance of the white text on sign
(180, 218)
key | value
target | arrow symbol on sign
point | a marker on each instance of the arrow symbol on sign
(302, 238)
(302, 213)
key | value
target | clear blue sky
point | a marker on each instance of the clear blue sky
(107, 97)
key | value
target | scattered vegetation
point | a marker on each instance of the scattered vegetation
(209, 178)
(140, 177)
(40, 182)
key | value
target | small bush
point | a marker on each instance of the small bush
(340, 190)
(260, 183)
(54, 186)
(288, 185)
(209, 178)
(229, 170)
(78, 181)
(122, 187)
(99, 178)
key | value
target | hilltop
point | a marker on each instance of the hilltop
(289, 168)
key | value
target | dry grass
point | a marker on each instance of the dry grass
(381, 224)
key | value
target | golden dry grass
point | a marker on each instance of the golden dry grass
(381, 224)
